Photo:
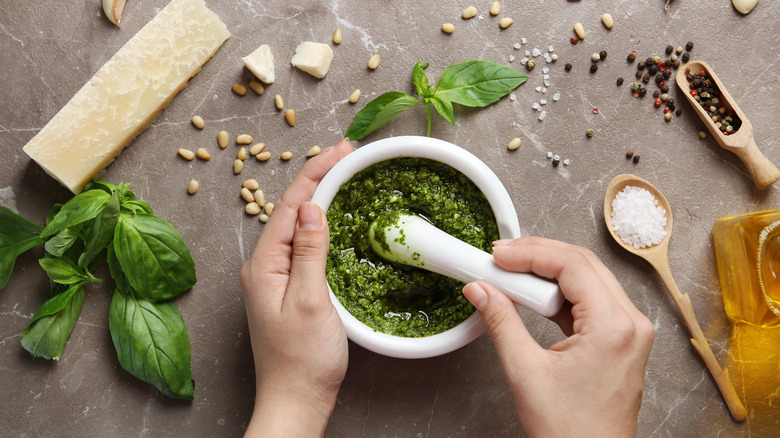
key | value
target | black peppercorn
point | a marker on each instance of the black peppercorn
(689, 46)
(652, 69)
(629, 153)
(670, 106)
(593, 68)
(640, 65)
(665, 89)
(659, 78)
(649, 61)
(603, 54)
(645, 78)
(667, 74)
(567, 67)
(636, 159)
(642, 91)
(670, 101)
(631, 57)
(676, 63)
(656, 94)
(619, 81)
(678, 112)
(686, 57)
(669, 50)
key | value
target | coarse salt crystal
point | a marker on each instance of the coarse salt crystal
(566, 162)
(523, 61)
(544, 90)
(523, 40)
(546, 83)
(517, 46)
(511, 58)
(527, 53)
(637, 218)
(536, 106)
(551, 49)
(549, 154)
(556, 96)
(545, 71)
(512, 97)
(543, 101)
(556, 157)
(537, 52)
(542, 115)
(539, 88)
(546, 77)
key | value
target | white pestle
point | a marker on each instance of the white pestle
(411, 240)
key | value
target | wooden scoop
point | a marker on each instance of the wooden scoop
(741, 142)
(658, 256)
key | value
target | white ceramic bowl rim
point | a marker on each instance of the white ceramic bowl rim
(483, 178)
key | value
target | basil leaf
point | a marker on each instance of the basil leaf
(122, 284)
(444, 107)
(53, 323)
(100, 231)
(478, 83)
(63, 270)
(152, 254)
(378, 112)
(151, 343)
(62, 241)
(79, 209)
(105, 186)
(136, 207)
(420, 80)
(17, 235)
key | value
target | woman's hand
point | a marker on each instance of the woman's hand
(589, 384)
(298, 340)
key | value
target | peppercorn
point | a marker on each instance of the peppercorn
(589, 133)
(629, 153)
(686, 57)
(668, 116)
(678, 112)
(631, 57)
(574, 40)
(649, 61)
(657, 102)
(689, 46)
(640, 65)
(642, 91)
(676, 63)
(530, 64)
(667, 74)
(656, 93)
(567, 67)
(659, 78)
(636, 86)
(638, 75)
(645, 78)
(593, 68)
(636, 159)
(619, 81)
(652, 69)
(603, 54)
(702, 134)
(669, 49)
(656, 59)
(665, 89)
(679, 49)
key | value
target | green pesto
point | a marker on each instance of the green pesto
(393, 298)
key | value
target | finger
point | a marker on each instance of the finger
(309, 255)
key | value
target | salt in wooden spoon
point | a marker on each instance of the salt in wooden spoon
(741, 142)
(658, 256)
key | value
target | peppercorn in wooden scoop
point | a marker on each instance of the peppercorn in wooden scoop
(700, 86)
(658, 256)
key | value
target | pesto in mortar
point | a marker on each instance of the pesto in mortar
(393, 298)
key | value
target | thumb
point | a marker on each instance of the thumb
(309, 252)
(510, 336)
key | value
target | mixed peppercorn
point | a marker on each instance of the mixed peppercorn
(706, 93)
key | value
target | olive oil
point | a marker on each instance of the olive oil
(747, 251)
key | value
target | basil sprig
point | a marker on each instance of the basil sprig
(148, 261)
(473, 83)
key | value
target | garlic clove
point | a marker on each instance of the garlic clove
(113, 10)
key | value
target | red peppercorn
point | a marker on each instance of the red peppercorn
(667, 110)
(661, 84)
(657, 102)
(661, 65)
(693, 93)
(702, 73)
(595, 110)
(639, 75)
(574, 40)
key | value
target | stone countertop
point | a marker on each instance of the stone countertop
(50, 49)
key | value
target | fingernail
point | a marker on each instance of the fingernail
(309, 216)
(475, 294)
(502, 242)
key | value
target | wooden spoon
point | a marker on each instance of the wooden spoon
(658, 256)
(741, 142)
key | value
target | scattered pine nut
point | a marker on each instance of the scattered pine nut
(247, 195)
(495, 8)
(289, 115)
(192, 187)
(256, 148)
(469, 12)
(264, 156)
(251, 184)
(505, 22)
(314, 151)
(579, 29)
(279, 102)
(257, 87)
(252, 208)
(186, 154)
(514, 144)
(355, 96)
(448, 28)
(241, 154)
(244, 139)
(238, 166)
(203, 154)
(260, 197)
(269, 208)
(608, 21)
(286, 155)
(198, 121)
(223, 138)
(337, 38)
(263, 218)
(239, 89)
(373, 63)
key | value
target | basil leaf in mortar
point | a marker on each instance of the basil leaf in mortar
(53, 323)
(478, 83)
(151, 343)
(17, 235)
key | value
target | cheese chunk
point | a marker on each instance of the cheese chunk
(313, 58)
(261, 63)
(127, 93)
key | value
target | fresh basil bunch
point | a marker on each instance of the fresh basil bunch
(147, 259)
(472, 83)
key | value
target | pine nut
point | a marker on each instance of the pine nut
(269, 208)
(241, 154)
(314, 151)
(373, 63)
(244, 139)
(279, 102)
(251, 184)
(203, 154)
(256, 148)
(289, 115)
(505, 22)
(238, 166)
(192, 187)
(355, 96)
(223, 138)
(263, 218)
(247, 195)
(469, 12)
(579, 29)
(448, 28)
(608, 21)
(514, 144)
(495, 8)
(252, 208)
(198, 121)
(264, 156)
(239, 89)
(337, 38)
(260, 197)
(186, 154)
(286, 155)
(257, 87)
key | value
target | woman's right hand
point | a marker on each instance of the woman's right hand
(589, 384)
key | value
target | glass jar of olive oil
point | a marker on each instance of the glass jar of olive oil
(747, 252)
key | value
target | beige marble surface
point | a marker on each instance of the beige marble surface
(50, 49)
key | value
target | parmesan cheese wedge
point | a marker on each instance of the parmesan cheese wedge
(127, 93)
(313, 58)
(261, 63)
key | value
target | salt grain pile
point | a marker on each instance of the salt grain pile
(637, 218)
